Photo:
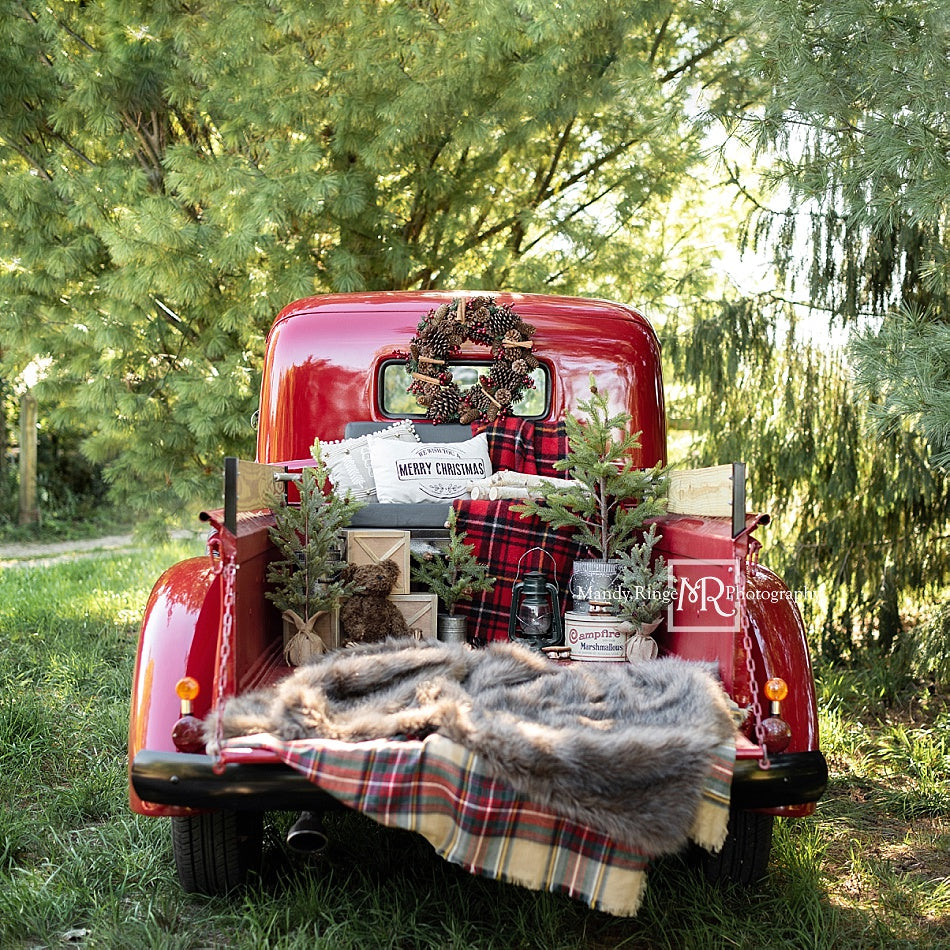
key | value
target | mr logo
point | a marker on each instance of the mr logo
(706, 596)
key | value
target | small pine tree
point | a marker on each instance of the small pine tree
(609, 500)
(309, 537)
(454, 574)
(645, 581)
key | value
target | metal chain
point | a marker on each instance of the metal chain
(227, 568)
(749, 660)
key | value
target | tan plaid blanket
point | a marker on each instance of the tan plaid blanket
(441, 790)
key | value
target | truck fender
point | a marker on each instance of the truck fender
(780, 642)
(179, 637)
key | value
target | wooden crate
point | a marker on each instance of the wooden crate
(421, 612)
(372, 545)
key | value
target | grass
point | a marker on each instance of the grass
(871, 869)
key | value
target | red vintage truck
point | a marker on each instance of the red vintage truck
(336, 363)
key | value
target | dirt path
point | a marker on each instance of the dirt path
(42, 554)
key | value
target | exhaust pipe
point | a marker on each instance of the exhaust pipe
(306, 835)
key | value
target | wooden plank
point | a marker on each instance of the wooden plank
(714, 492)
(29, 513)
(249, 486)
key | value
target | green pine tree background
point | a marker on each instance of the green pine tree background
(172, 174)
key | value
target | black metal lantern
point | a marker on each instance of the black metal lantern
(535, 618)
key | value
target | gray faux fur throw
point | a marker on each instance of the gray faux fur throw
(622, 747)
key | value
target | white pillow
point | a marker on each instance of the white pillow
(349, 462)
(429, 471)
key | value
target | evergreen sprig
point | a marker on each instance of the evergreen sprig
(645, 580)
(453, 574)
(610, 499)
(903, 368)
(309, 535)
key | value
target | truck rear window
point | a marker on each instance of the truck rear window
(397, 403)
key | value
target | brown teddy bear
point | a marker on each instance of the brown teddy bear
(368, 616)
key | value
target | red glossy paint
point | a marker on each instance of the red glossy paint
(782, 645)
(705, 558)
(322, 356)
(178, 638)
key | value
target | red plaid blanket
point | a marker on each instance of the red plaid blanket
(501, 537)
(519, 445)
(442, 791)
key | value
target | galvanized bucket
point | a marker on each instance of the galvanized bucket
(593, 580)
(452, 629)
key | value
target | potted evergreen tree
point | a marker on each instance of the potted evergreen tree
(645, 587)
(307, 587)
(606, 500)
(452, 574)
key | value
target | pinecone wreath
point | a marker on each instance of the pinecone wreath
(440, 335)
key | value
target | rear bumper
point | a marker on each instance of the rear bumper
(793, 778)
(189, 781)
(184, 780)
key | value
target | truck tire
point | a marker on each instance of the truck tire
(215, 851)
(744, 857)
